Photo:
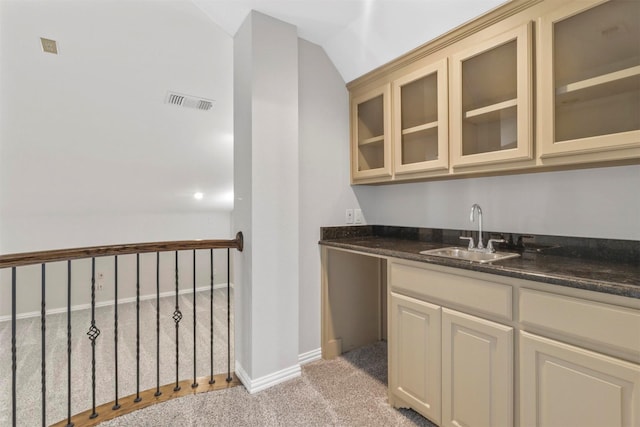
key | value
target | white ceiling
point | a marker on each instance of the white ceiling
(358, 35)
(87, 131)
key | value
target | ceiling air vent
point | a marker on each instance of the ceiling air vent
(189, 101)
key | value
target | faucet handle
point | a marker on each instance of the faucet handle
(470, 239)
(490, 243)
(520, 242)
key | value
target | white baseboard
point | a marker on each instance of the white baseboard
(263, 383)
(78, 307)
(310, 356)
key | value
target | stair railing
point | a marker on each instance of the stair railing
(141, 399)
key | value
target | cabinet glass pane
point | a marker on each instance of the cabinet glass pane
(370, 157)
(420, 146)
(597, 71)
(420, 102)
(419, 120)
(371, 134)
(489, 97)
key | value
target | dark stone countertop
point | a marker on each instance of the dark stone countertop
(600, 275)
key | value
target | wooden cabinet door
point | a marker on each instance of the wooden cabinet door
(563, 385)
(421, 120)
(589, 79)
(491, 101)
(371, 135)
(414, 355)
(477, 371)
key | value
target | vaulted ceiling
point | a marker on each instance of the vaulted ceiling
(88, 130)
(358, 35)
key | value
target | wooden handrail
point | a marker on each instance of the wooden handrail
(40, 257)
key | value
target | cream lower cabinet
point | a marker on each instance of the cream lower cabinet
(477, 371)
(414, 354)
(452, 367)
(476, 349)
(564, 386)
(579, 362)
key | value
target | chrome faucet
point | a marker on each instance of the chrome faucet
(473, 209)
(480, 247)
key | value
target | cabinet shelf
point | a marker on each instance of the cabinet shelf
(419, 128)
(492, 112)
(374, 140)
(605, 85)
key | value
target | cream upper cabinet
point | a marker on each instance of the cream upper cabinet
(371, 135)
(491, 100)
(589, 78)
(485, 99)
(421, 120)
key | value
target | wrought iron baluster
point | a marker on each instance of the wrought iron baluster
(212, 379)
(116, 405)
(43, 329)
(177, 316)
(93, 334)
(138, 398)
(195, 383)
(69, 423)
(229, 379)
(158, 392)
(14, 359)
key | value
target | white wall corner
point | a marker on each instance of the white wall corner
(267, 381)
(310, 356)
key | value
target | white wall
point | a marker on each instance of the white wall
(324, 174)
(28, 283)
(598, 202)
(87, 143)
(89, 153)
(266, 191)
(34, 232)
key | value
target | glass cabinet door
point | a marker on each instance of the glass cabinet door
(421, 118)
(491, 96)
(589, 77)
(370, 141)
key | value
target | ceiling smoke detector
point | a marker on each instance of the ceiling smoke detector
(189, 101)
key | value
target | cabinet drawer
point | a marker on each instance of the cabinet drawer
(452, 289)
(592, 324)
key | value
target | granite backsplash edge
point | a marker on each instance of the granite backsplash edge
(614, 250)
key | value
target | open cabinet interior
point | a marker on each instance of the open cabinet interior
(596, 57)
(371, 134)
(489, 100)
(354, 307)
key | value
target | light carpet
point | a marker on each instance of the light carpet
(350, 390)
(29, 406)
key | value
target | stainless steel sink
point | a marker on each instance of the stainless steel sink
(467, 255)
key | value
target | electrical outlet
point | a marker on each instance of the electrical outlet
(99, 281)
(349, 216)
(357, 215)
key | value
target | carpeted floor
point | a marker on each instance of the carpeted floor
(29, 406)
(348, 391)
